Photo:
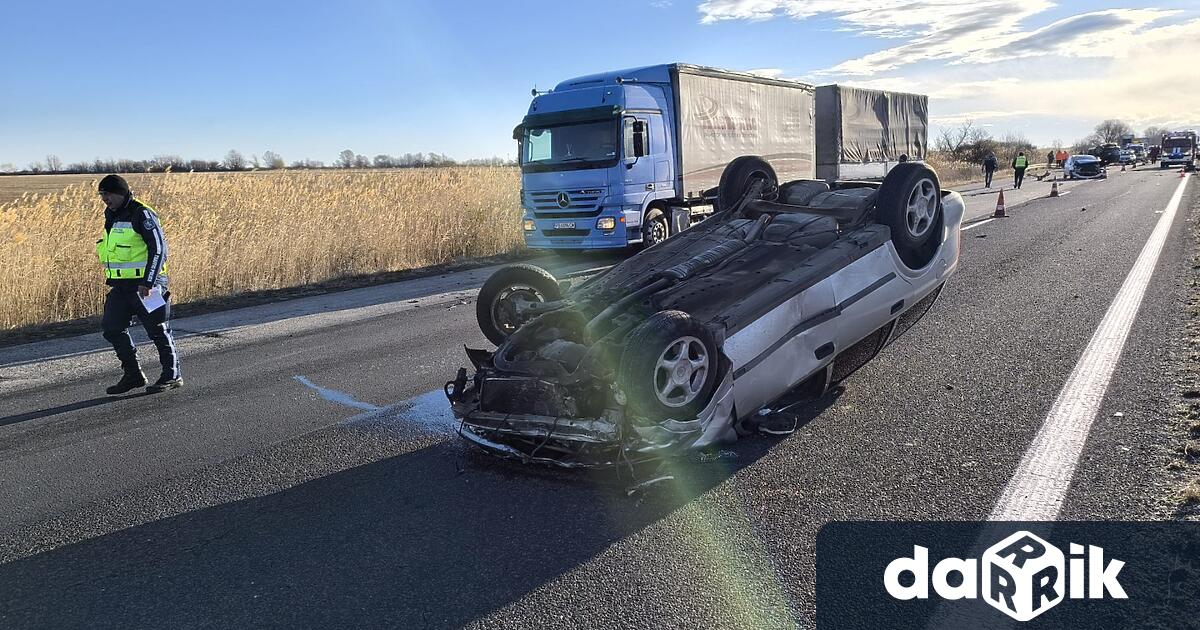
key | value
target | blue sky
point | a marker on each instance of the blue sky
(308, 79)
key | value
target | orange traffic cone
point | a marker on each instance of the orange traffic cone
(1000, 206)
(1054, 189)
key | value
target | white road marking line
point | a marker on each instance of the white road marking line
(1063, 193)
(1038, 488)
(332, 395)
(967, 227)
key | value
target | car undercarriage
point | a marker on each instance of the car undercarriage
(676, 348)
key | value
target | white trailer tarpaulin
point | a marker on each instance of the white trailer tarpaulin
(857, 126)
(726, 115)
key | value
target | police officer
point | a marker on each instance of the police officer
(1019, 164)
(133, 252)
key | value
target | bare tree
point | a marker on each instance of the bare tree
(53, 164)
(1153, 134)
(345, 159)
(952, 139)
(361, 161)
(254, 163)
(1112, 129)
(234, 160)
(271, 160)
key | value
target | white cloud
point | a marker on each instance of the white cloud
(984, 61)
(952, 31)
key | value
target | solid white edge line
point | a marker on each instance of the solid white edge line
(967, 227)
(1038, 488)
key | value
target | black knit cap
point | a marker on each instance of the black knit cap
(114, 184)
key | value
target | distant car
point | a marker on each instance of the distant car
(1108, 154)
(1128, 156)
(1139, 151)
(788, 285)
(1084, 167)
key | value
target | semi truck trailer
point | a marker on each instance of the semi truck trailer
(631, 157)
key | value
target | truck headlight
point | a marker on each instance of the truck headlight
(529, 225)
(606, 223)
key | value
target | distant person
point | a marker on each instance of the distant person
(1050, 159)
(990, 164)
(133, 252)
(1019, 164)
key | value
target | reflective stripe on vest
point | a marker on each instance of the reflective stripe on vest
(1022, 162)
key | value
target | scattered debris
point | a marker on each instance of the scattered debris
(638, 487)
(981, 236)
(1119, 414)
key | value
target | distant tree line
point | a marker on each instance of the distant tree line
(1111, 131)
(236, 161)
(969, 142)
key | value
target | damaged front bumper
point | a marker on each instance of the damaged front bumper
(607, 439)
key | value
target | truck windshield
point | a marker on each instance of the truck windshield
(1182, 143)
(570, 146)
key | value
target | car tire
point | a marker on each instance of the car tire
(909, 202)
(657, 385)
(494, 308)
(655, 228)
(739, 175)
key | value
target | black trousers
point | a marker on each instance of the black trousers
(120, 307)
(987, 178)
(1018, 177)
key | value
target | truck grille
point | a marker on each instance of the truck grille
(545, 204)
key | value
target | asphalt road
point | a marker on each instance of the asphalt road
(308, 475)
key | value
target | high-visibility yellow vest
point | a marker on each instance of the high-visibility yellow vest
(1022, 162)
(123, 252)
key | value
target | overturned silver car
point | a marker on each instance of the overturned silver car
(678, 347)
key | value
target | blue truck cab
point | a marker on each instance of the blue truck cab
(596, 161)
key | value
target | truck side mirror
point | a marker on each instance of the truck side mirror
(635, 140)
(639, 138)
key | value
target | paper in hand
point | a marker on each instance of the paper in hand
(154, 301)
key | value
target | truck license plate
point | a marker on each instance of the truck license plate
(566, 225)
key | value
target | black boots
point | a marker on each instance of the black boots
(163, 383)
(130, 381)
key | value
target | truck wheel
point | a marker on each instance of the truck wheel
(737, 177)
(669, 366)
(495, 309)
(910, 203)
(655, 228)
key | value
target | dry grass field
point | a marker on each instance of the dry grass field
(234, 232)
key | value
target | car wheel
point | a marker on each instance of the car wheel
(739, 175)
(496, 307)
(669, 366)
(655, 228)
(909, 202)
